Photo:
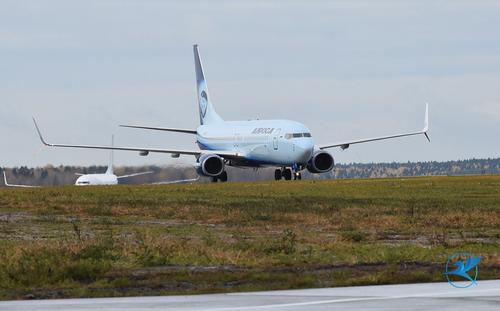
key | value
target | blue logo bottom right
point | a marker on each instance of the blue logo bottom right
(462, 267)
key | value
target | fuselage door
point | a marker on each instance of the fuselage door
(276, 139)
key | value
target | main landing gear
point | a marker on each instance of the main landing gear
(222, 177)
(287, 174)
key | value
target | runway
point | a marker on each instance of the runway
(424, 296)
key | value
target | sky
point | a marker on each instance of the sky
(346, 69)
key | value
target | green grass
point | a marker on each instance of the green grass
(203, 238)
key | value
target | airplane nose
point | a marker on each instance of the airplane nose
(305, 144)
(304, 149)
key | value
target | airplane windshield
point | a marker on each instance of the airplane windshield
(297, 135)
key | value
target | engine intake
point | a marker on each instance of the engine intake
(320, 162)
(211, 165)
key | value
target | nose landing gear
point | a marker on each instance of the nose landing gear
(297, 176)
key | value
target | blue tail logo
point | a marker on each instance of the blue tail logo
(466, 270)
(203, 103)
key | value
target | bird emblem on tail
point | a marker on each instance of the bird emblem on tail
(203, 103)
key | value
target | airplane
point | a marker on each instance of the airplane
(108, 178)
(13, 185)
(286, 145)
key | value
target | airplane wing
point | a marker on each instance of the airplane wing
(135, 174)
(170, 129)
(145, 150)
(346, 144)
(18, 186)
(181, 181)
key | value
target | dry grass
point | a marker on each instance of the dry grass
(104, 241)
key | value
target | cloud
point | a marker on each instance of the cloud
(345, 69)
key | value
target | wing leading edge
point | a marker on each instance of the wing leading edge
(169, 129)
(346, 144)
(143, 150)
(135, 174)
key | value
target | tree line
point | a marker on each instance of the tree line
(50, 175)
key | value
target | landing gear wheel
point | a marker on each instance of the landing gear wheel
(214, 179)
(277, 174)
(223, 176)
(287, 174)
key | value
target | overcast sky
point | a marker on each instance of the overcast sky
(346, 69)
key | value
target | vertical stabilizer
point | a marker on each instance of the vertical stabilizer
(110, 165)
(207, 111)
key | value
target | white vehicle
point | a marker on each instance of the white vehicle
(284, 144)
(18, 186)
(108, 178)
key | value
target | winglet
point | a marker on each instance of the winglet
(40, 133)
(426, 122)
(5, 179)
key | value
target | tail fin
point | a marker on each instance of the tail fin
(110, 165)
(207, 111)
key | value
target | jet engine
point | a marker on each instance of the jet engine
(320, 162)
(210, 165)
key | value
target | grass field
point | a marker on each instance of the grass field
(200, 238)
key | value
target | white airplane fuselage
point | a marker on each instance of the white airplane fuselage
(264, 142)
(97, 179)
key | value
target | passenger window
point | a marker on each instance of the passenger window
(307, 134)
(297, 135)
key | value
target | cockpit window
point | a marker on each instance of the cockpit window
(297, 135)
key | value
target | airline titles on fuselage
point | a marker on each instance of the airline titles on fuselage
(263, 130)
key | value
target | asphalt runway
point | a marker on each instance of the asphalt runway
(425, 296)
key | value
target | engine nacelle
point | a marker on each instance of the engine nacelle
(320, 162)
(210, 165)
